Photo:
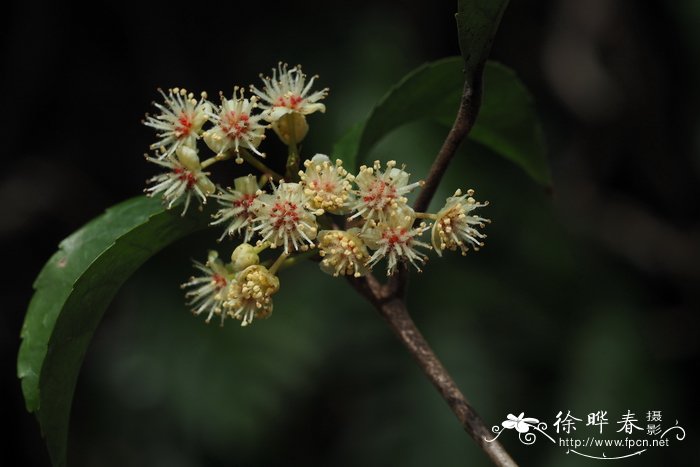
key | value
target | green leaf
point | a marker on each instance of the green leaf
(71, 293)
(507, 122)
(477, 23)
(422, 94)
(346, 148)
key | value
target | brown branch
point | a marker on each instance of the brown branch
(389, 300)
(393, 309)
(466, 116)
(396, 314)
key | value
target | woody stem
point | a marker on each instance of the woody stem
(389, 300)
(392, 308)
(466, 116)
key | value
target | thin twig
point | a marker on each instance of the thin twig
(389, 300)
(466, 116)
(395, 313)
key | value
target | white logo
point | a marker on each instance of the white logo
(650, 436)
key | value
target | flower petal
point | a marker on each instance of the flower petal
(509, 424)
(522, 427)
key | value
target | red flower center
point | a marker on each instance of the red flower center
(284, 214)
(184, 125)
(235, 125)
(379, 193)
(185, 176)
(245, 202)
(219, 281)
(291, 101)
(394, 236)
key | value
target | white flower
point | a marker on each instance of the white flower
(396, 239)
(343, 252)
(237, 207)
(521, 423)
(235, 126)
(179, 122)
(209, 291)
(380, 193)
(287, 92)
(327, 185)
(285, 218)
(250, 295)
(184, 177)
(455, 228)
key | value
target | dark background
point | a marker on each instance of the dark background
(583, 300)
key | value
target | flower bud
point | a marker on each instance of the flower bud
(243, 256)
(215, 141)
(188, 157)
(247, 184)
(291, 128)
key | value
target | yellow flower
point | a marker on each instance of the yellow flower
(287, 92)
(179, 122)
(455, 228)
(237, 207)
(343, 252)
(183, 178)
(396, 239)
(327, 185)
(250, 295)
(286, 99)
(235, 126)
(380, 193)
(209, 291)
(285, 218)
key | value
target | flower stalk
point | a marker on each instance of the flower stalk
(426, 215)
(213, 160)
(292, 166)
(278, 263)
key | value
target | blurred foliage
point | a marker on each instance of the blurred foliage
(563, 309)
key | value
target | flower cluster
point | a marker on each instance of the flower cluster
(241, 289)
(349, 222)
(234, 128)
